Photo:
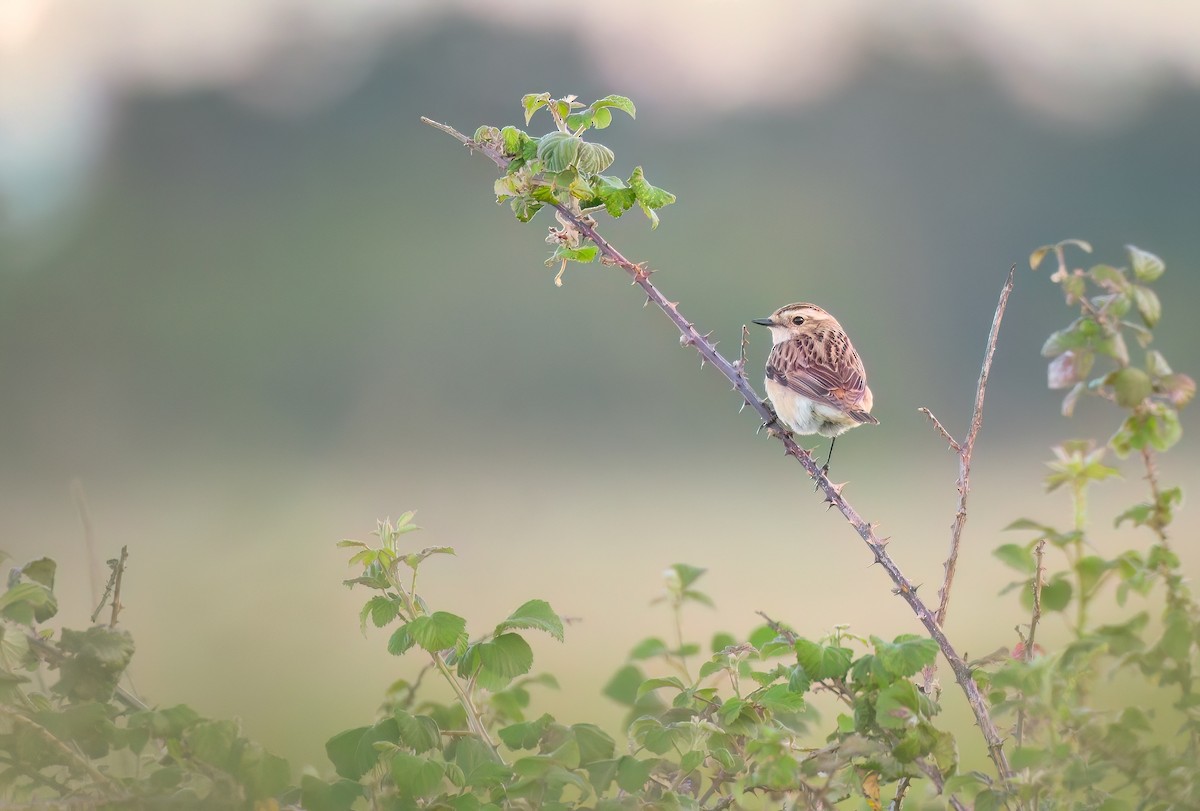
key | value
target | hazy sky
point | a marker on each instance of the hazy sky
(65, 64)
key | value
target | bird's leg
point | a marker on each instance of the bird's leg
(772, 425)
(825, 467)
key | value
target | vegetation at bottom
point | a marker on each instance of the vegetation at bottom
(765, 718)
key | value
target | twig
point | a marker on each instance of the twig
(117, 605)
(833, 492)
(966, 448)
(1039, 576)
(778, 628)
(89, 539)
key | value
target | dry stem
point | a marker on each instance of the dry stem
(690, 336)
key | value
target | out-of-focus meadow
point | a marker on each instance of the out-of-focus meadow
(250, 304)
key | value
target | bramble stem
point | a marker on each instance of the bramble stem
(690, 336)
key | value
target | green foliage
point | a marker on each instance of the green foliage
(87, 742)
(1071, 751)
(560, 168)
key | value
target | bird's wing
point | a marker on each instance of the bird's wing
(833, 378)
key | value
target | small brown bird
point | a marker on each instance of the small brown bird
(815, 379)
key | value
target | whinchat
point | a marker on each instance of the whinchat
(815, 378)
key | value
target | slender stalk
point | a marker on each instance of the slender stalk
(118, 576)
(690, 336)
(966, 448)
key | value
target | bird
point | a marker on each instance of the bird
(815, 379)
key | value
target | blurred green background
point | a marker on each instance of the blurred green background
(250, 304)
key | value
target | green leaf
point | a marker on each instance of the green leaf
(623, 686)
(584, 253)
(534, 102)
(96, 659)
(780, 698)
(513, 141)
(594, 743)
(906, 655)
(632, 773)
(614, 194)
(415, 776)
(687, 574)
(497, 662)
(1056, 594)
(898, 705)
(353, 752)
(1068, 338)
(41, 571)
(418, 732)
(1146, 266)
(594, 158)
(414, 559)
(616, 102)
(317, 795)
(1148, 305)
(400, 641)
(601, 118)
(649, 648)
(1091, 569)
(650, 196)
(581, 118)
(380, 609)
(821, 661)
(527, 734)
(479, 768)
(438, 631)
(1038, 255)
(537, 615)
(558, 150)
(1017, 556)
(1109, 276)
(486, 134)
(1131, 385)
(651, 685)
(524, 208)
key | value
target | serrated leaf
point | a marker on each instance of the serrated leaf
(537, 615)
(898, 705)
(584, 253)
(906, 655)
(616, 102)
(415, 776)
(780, 698)
(438, 631)
(418, 732)
(480, 770)
(594, 158)
(513, 141)
(534, 102)
(614, 194)
(527, 734)
(400, 641)
(822, 661)
(498, 661)
(650, 196)
(1146, 266)
(380, 609)
(558, 150)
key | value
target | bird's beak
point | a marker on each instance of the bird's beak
(764, 322)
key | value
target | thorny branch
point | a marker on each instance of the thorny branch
(965, 448)
(690, 336)
(1039, 580)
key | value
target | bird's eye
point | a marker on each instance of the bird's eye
(798, 320)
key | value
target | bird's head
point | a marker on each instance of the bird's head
(794, 320)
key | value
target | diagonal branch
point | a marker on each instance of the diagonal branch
(690, 336)
(965, 449)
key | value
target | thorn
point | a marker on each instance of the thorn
(744, 403)
(702, 362)
(838, 488)
(673, 305)
(882, 542)
(708, 334)
(647, 303)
